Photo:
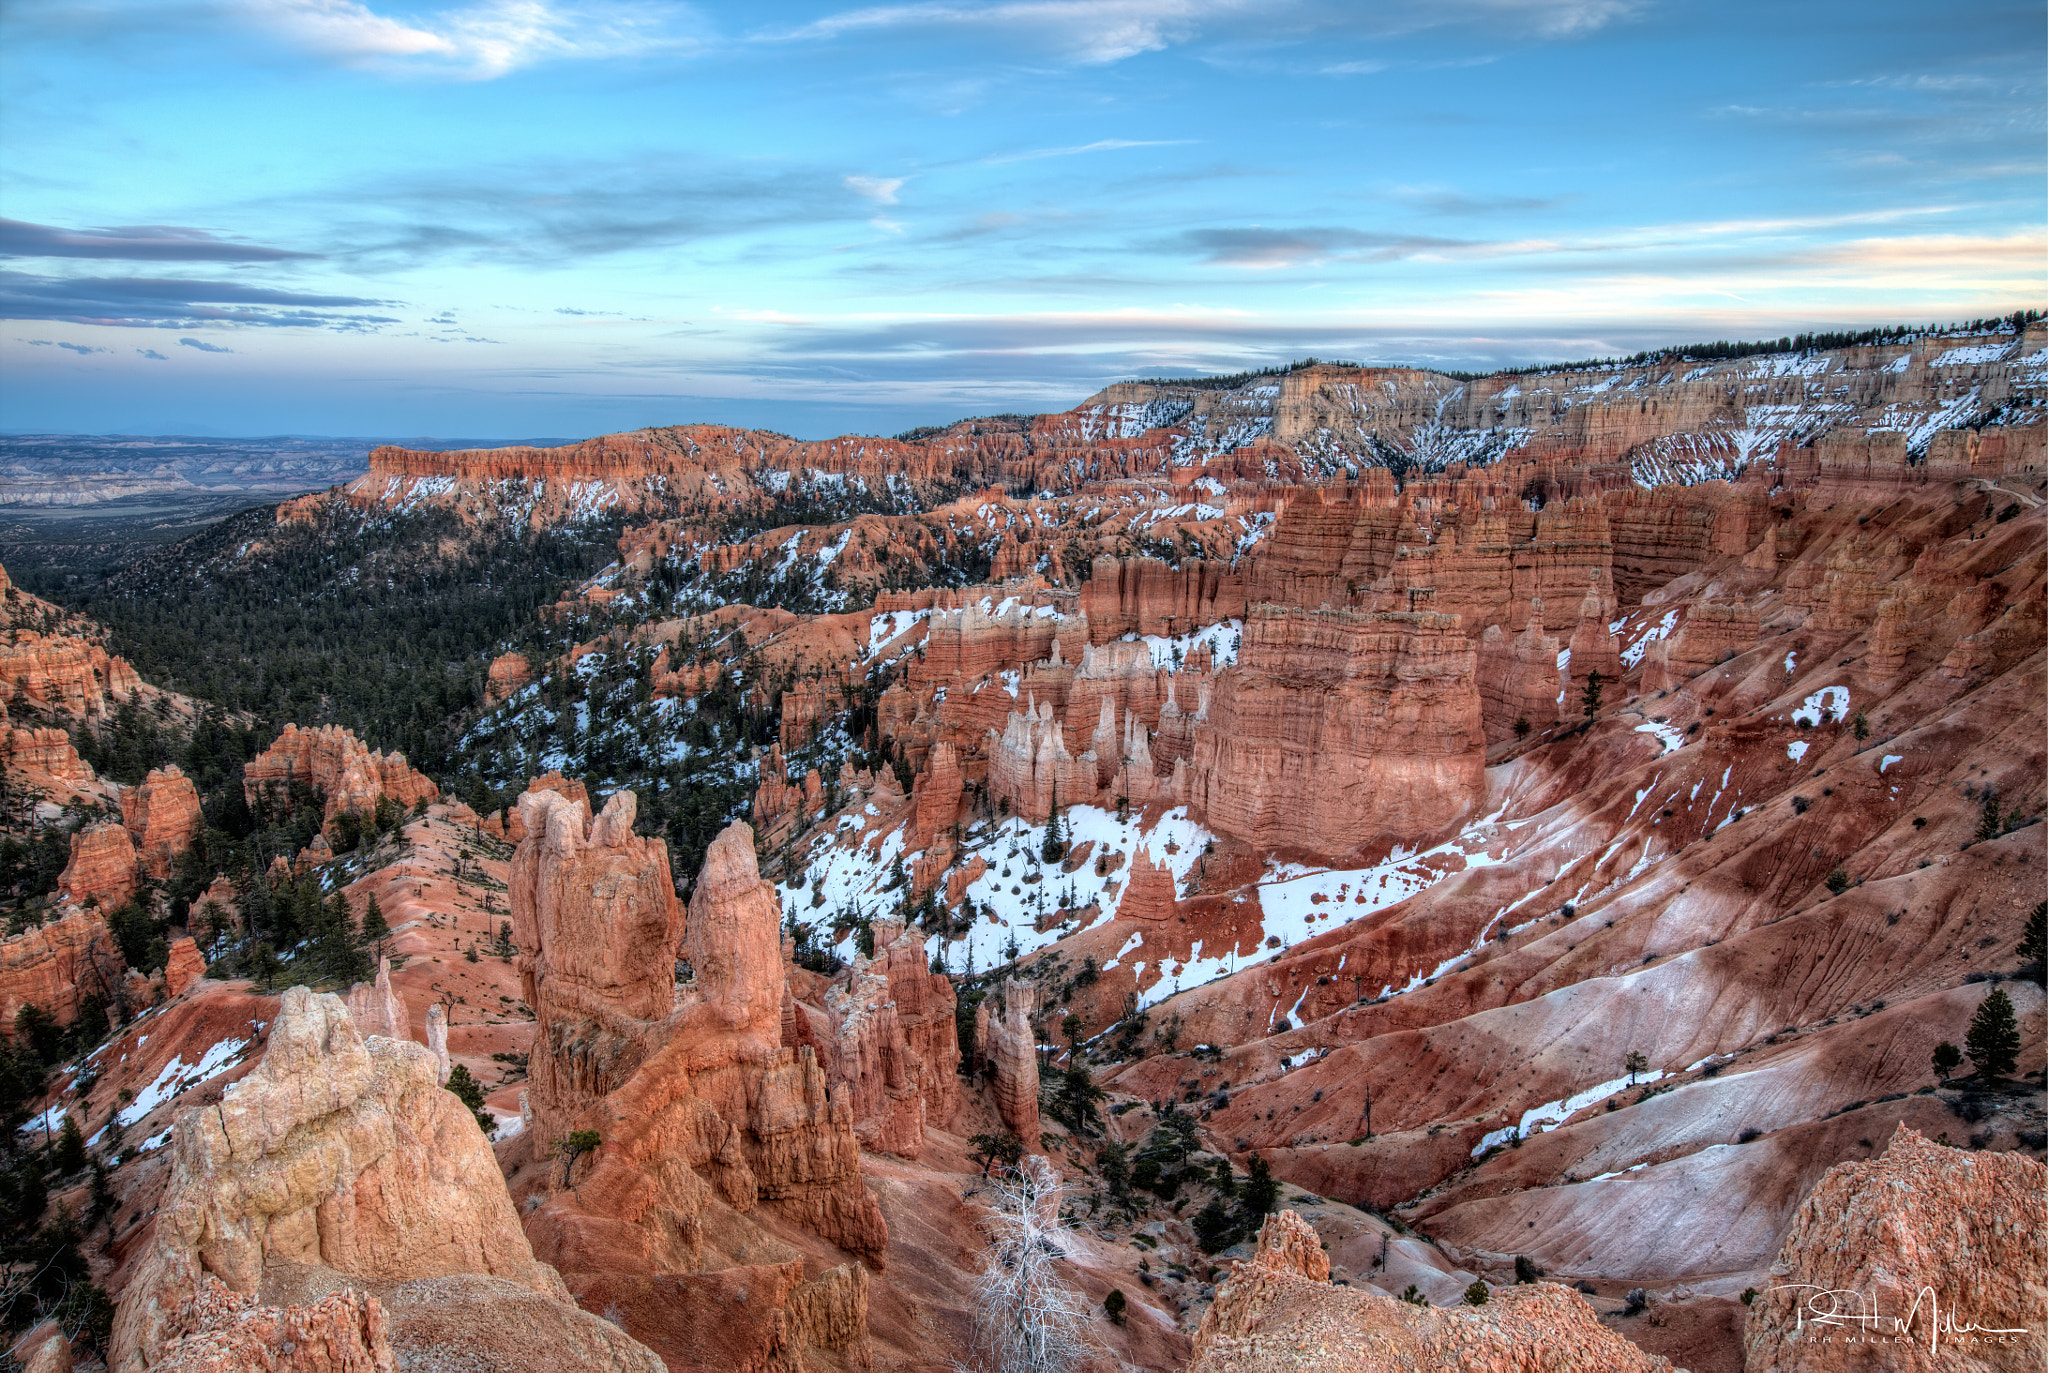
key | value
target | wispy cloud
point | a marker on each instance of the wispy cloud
(475, 42)
(1264, 249)
(152, 354)
(880, 189)
(176, 303)
(134, 243)
(82, 349)
(1098, 32)
(203, 346)
(1100, 145)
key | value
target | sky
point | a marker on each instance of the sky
(521, 218)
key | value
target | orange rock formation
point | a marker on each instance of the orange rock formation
(704, 1112)
(162, 815)
(102, 866)
(1935, 1243)
(1279, 1312)
(339, 766)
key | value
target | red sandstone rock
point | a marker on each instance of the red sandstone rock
(336, 1152)
(102, 866)
(700, 1105)
(163, 817)
(185, 967)
(218, 1330)
(55, 966)
(1337, 729)
(1923, 1235)
(509, 672)
(896, 1050)
(1008, 1049)
(1278, 1312)
(338, 765)
(1150, 895)
(375, 1008)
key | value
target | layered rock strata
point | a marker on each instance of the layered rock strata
(1007, 1046)
(57, 967)
(339, 766)
(102, 867)
(162, 817)
(1338, 729)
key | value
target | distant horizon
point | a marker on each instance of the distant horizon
(1760, 345)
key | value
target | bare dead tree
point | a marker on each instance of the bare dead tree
(1026, 1318)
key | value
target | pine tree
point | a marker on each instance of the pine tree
(374, 929)
(1947, 1058)
(2033, 949)
(1993, 1041)
(470, 1093)
(1261, 1190)
(1591, 695)
(1987, 825)
(69, 1155)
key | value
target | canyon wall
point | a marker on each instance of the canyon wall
(1337, 729)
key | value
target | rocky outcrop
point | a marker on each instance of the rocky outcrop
(102, 866)
(185, 966)
(1935, 1246)
(509, 672)
(1150, 895)
(704, 1112)
(61, 675)
(1008, 1049)
(48, 757)
(1279, 1313)
(57, 966)
(1144, 596)
(1029, 766)
(219, 1330)
(896, 1045)
(338, 1153)
(338, 766)
(162, 816)
(1338, 729)
(376, 1008)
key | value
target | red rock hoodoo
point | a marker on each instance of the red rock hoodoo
(339, 766)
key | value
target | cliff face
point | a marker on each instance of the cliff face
(102, 866)
(63, 675)
(1935, 1243)
(1278, 1312)
(704, 1113)
(1337, 729)
(162, 815)
(896, 1047)
(56, 966)
(337, 1152)
(340, 766)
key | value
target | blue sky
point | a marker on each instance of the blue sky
(521, 217)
